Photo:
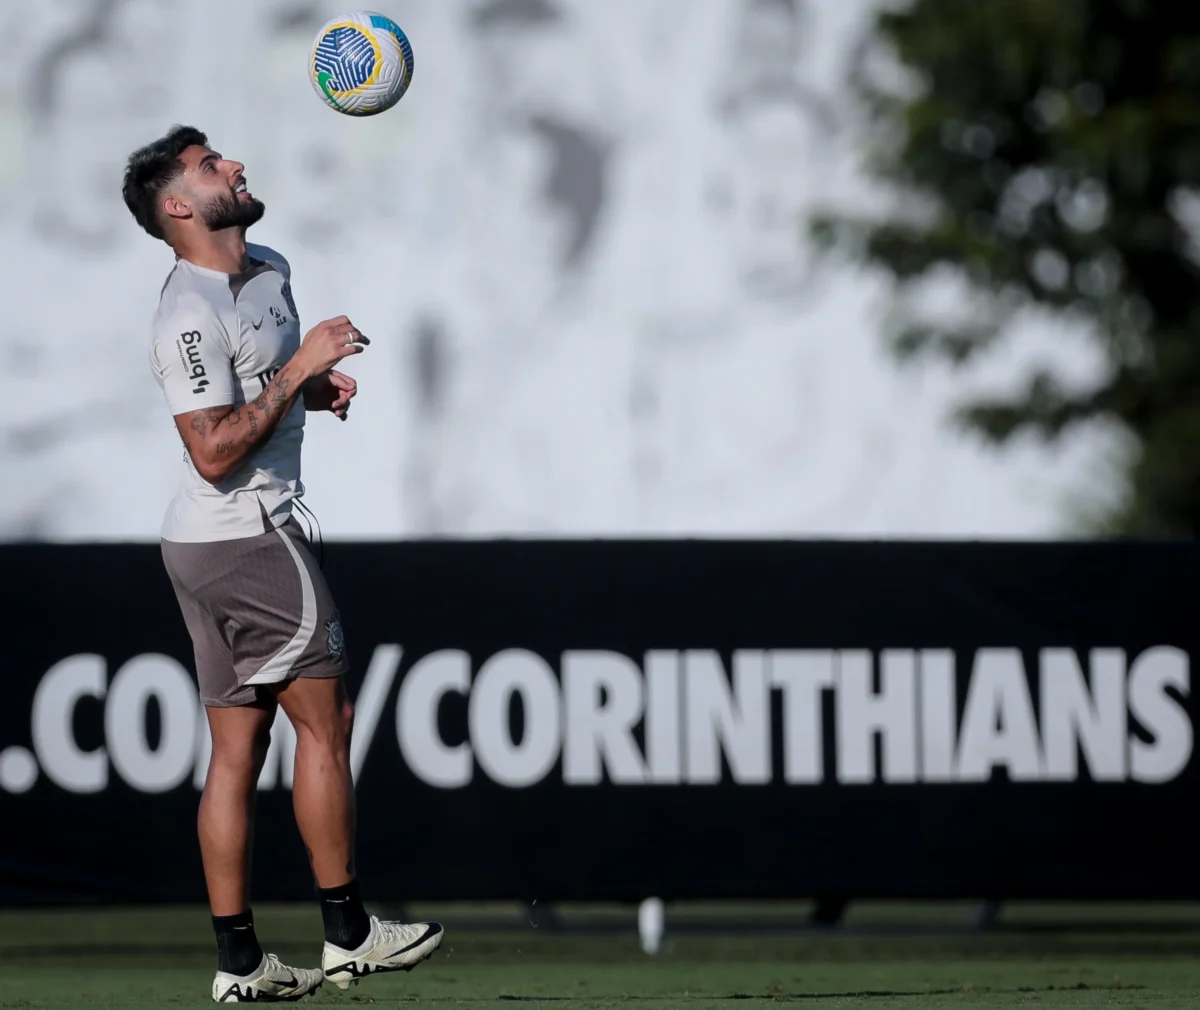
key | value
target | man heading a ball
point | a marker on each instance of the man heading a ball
(227, 353)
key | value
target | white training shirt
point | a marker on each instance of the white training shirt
(218, 339)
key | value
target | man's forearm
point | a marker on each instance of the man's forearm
(223, 437)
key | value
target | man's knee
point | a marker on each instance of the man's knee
(240, 737)
(236, 756)
(330, 722)
(334, 730)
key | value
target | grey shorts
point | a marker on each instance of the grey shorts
(259, 612)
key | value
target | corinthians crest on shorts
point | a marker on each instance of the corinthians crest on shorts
(334, 640)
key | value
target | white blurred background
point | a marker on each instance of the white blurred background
(577, 244)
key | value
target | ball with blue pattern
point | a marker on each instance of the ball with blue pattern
(361, 63)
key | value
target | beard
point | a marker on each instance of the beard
(228, 211)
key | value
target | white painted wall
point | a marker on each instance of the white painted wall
(652, 350)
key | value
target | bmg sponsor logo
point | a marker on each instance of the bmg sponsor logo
(189, 353)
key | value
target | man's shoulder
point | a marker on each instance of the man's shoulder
(268, 254)
(187, 300)
(187, 285)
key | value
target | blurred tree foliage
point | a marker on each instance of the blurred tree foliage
(1048, 154)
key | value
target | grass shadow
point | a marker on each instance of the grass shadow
(798, 997)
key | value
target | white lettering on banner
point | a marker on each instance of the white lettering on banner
(125, 723)
(668, 717)
(421, 692)
(1076, 715)
(938, 718)
(1160, 715)
(999, 728)
(61, 689)
(802, 677)
(736, 722)
(604, 699)
(891, 714)
(505, 760)
(664, 740)
(161, 678)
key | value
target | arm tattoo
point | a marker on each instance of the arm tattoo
(207, 420)
(260, 416)
(282, 386)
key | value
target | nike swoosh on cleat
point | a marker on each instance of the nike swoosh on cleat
(431, 932)
(251, 995)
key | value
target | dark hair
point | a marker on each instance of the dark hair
(149, 171)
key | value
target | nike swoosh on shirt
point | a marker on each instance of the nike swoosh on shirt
(258, 325)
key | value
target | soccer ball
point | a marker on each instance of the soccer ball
(361, 63)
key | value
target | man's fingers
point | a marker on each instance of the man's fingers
(338, 338)
(352, 343)
(350, 335)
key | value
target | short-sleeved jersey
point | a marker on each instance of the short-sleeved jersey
(217, 340)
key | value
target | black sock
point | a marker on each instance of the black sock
(346, 921)
(238, 952)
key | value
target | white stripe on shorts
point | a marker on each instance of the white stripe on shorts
(279, 666)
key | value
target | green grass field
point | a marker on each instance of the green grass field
(910, 956)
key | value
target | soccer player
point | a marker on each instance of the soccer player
(227, 354)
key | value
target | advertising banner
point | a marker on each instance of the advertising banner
(617, 720)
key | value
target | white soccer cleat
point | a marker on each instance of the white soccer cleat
(270, 982)
(390, 946)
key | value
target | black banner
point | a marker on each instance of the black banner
(621, 720)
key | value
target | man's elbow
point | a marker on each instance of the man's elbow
(213, 469)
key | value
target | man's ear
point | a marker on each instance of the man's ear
(176, 206)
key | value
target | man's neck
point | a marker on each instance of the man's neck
(223, 251)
